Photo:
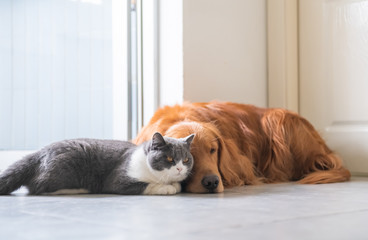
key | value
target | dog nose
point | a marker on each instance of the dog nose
(210, 182)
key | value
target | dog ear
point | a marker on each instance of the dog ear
(235, 168)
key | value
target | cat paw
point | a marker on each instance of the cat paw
(177, 186)
(166, 190)
(160, 190)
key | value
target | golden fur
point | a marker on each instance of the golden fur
(244, 144)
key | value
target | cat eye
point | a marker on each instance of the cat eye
(212, 150)
(186, 160)
(170, 159)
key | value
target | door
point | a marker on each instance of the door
(333, 65)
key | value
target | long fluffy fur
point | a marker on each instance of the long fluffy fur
(254, 144)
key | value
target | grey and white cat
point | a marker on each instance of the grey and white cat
(103, 166)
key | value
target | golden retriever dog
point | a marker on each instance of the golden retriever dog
(238, 144)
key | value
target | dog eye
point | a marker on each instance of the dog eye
(212, 150)
(170, 159)
(186, 160)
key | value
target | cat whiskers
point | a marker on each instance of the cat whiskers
(189, 174)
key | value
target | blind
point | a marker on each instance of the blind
(55, 71)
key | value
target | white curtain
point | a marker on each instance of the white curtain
(55, 71)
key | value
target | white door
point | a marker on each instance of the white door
(333, 48)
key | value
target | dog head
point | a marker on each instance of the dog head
(217, 161)
(205, 176)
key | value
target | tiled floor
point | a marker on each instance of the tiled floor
(277, 211)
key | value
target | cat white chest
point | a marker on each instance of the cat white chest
(138, 167)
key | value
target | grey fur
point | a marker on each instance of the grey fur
(100, 166)
(160, 148)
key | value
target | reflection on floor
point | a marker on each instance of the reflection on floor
(274, 211)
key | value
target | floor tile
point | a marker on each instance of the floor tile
(270, 211)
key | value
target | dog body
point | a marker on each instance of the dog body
(239, 144)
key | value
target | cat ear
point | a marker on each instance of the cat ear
(189, 139)
(158, 141)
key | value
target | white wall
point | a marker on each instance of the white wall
(225, 50)
(170, 52)
(213, 49)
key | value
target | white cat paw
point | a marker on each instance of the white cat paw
(160, 190)
(166, 190)
(177, 186)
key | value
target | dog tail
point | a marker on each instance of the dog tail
(18, 174)
(327, 169)
(327, 176)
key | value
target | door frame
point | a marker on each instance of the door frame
(282, 59)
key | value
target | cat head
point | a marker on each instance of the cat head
(170, 158)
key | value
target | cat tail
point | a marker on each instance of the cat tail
(18, 174)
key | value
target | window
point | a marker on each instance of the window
(64, 71)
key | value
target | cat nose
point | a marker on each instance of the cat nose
(210, 182)
(179, 169)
